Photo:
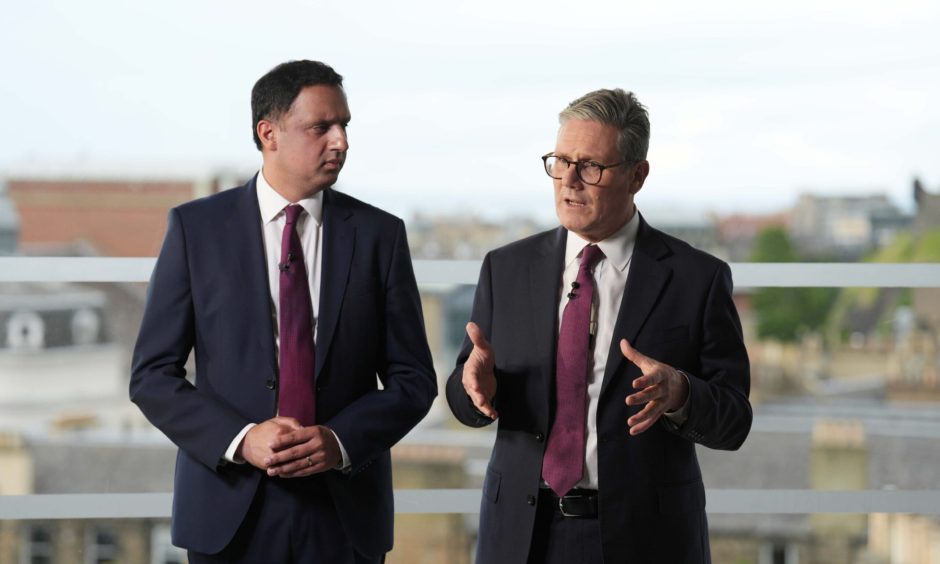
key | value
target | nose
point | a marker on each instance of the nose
(338, 139)
(570, 178)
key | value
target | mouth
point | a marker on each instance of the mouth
(333, 164)
(574, 203)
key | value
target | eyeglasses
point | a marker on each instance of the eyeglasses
(589, 172)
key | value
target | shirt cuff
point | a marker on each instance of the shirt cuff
(344, 465)
(229, 455)
(679, 416)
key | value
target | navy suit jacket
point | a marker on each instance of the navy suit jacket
(209, 293)
(677, 309)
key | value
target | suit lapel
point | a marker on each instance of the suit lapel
(645, 282)
(339, 238)
(544, 282)
(243, 232)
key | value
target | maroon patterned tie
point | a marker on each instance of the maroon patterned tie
(296, 392)
(564, 455)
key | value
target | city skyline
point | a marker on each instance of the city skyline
(750, 105)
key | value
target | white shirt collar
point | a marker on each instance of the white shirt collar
(272, 204)
(617, 249)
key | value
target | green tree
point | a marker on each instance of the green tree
(773, 245)
(783, 313)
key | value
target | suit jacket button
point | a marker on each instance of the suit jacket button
(270, 384)
(539, 437)
(530, 500)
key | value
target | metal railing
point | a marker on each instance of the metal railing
(438, 501)
(745, 501)
(746, 274)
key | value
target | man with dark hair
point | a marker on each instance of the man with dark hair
(594, 460)
(274, 92)
(294, 297)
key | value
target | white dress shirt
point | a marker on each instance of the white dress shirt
(610, 279)
(310, 231)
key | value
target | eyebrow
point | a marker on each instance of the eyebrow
(331, 121)
(568, 158)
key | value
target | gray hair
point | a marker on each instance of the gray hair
(620, 109)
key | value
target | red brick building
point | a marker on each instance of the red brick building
(115, 213)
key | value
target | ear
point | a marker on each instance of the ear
(640, 172)
(267, 132)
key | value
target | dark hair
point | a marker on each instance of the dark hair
(273, 94)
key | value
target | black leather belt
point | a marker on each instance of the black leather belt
(576, 503)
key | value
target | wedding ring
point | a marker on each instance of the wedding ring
(309, 462)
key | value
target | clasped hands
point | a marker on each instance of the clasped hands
(661, 387)
(283, 447)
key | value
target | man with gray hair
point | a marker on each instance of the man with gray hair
(606, 350)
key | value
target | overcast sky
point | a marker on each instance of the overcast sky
(751, 103)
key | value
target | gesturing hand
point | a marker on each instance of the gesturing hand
(661, 387)
(479, 380)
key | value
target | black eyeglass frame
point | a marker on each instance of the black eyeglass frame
(579, 165)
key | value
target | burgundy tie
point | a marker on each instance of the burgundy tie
(296, 393)
(564, 455)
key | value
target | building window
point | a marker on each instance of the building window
(102, 547)
(39, 548)
(85, 327)
(162, 550)
(778, 552)
(25, 331)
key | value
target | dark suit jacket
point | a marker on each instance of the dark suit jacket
(677, 309)
(209, 293)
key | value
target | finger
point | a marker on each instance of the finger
(305, 471)
(644, 419)
(476, 396)
(484, 393)
(312, 464)
(648, 411)
(293, 470)
(288, 455)
(648, 380)
(279, 442)
(488, 410)
(294, 438)
(642, 427)
(481, 402)
(633, 355)
(477, 338)
(297, 465)
(288, 421)
(645, 395)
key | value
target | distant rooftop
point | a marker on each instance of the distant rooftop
(678, 217)
(151, 171)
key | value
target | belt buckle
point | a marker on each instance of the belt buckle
(561, 507)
